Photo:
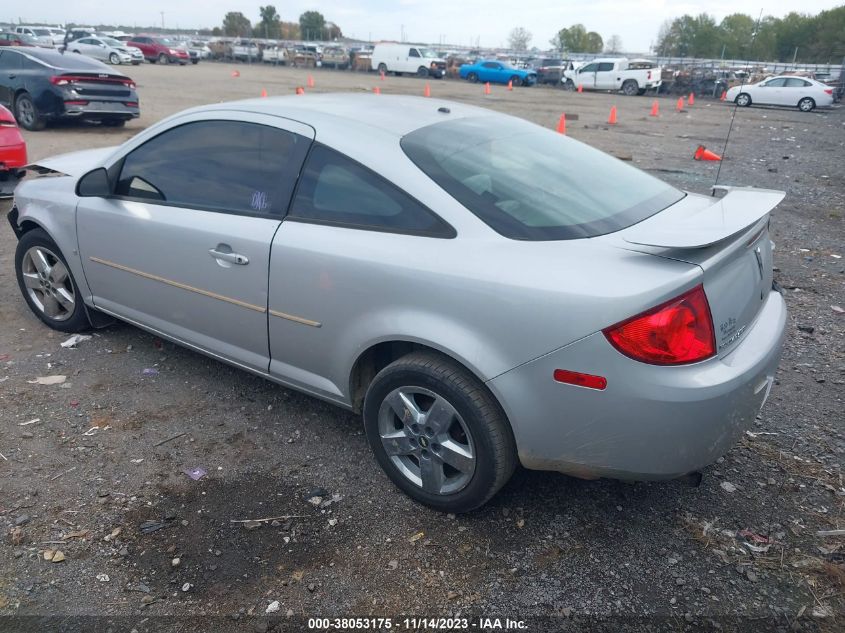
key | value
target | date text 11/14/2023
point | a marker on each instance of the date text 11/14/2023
(416, 624)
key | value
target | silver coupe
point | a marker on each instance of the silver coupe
(484, 291)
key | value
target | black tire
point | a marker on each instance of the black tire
(152, 60)
(569, 85)
(516, 81)
(26, 113)
(422, 71)
(114, 122)
(382, 68)
(114, 59)
(807, 104)
(163, 58)
(630, 87)
(195, 61)
(472, 78)
(743, 100)
(487, 429)
(77, 319)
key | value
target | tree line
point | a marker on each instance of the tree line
(804, 38)
(312, 25)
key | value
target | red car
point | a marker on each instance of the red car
(159, 49)
(16, 39)
(12, 153)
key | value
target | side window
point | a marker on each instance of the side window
(797, 83)
(776, 83)
(10, 60)
(413, 53)
(216, 165)
(589, 68)
(334, 189)
(490, 65)
(605, 67)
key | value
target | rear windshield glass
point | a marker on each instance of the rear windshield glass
(529, 183)
(68, 61)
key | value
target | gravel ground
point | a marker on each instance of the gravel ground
(87, 463)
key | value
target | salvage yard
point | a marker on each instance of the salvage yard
(162, 483)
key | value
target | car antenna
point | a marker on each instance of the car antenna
(735, 106)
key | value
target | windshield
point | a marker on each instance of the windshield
(164, 41)
(529, 183)
(424, 52)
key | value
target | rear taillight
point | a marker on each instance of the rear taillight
(64, 80)
(6, 118)
(828, 91)
(677, 332)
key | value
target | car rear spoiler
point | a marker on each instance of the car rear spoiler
(699, 222)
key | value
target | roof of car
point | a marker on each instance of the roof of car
(394, 114)
(67, 61)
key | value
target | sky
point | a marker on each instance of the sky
(459, 22)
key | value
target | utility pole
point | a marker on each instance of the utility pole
(162, 20)
(794, 56)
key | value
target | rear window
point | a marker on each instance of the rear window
(529, 183)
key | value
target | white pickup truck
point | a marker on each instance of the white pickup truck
(631, 76)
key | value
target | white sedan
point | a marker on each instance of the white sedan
(107, 49)
(801, 92)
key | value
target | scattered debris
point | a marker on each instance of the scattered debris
(196, 473)
(54, 555)
(416, 537)
(149, 371)
(727, 486)
(113, 535)
(269, 519)
(273, 607)
(48, 380)
(170, 439)
(16, 536)
(150, 526)
(830, 533)
(75, 340)
(103, 577)
(32, 421)
(187, 586)
(393, 564)
(77, 534)
(176, 562)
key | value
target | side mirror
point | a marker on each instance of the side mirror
(94, 184)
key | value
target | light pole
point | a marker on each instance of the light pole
(162, 20)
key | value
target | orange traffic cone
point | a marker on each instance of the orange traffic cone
(264, 92)
(236, 73)
(300, 90)
(561, 124)
(580, 88)
(427, 90)
(680, 105)
(487, 88)
(655, 108)
(310, 81)
(724, 95)
(377, 90)
(691, 100)
(611, 120)
(702, 153)
(510, 84)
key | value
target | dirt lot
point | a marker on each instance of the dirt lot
(85, 464)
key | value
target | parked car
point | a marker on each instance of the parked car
(402, 58)
(796, 92)
(549, 70)
(193, 54)
(107, 49)
(201, 49)
(497, 72)
(336, 270)
(78, 33)
(40, 85)
(16, 39)
(335, 57)
(245, 51)
(632, 77)
(160, 49)
(41, 34)
(12, 153)
(57, 34)
(275, 55)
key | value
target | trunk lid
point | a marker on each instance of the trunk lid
(728, 238)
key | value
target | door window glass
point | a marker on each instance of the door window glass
(797, 83)
(605, 67)
(216, 165)
(414, 53)
(775, 83)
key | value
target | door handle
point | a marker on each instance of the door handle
(232, 258)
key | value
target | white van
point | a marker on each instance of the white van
(405, 58)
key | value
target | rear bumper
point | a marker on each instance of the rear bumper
(650, 422)
(13, 156)
(101, 110)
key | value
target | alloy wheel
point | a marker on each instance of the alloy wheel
(26, 112)
(48, 283)
(427, 440)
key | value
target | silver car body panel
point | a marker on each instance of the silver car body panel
(510, 311)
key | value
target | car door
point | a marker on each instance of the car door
(412, 61)
(488, 71)
(182, 246)
(587, 75)
(606, 76)
(770, 92)
(88, 46)
(10, 78)
(794, 90)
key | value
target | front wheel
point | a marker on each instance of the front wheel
(422, 71)
(472, 78)
(743, 100)
(438, 433)
(27, 113)
(569, 84)
(806, 104)
(382, 68)
(163, 59)
(114, 59)
(47, 284)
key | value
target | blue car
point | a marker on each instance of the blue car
(497, 73)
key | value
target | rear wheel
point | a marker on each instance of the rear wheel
(438, 433)
(472, 78)
(630, 87)
(806, 104)
(743, 100)
(47, 284)
(114, 59)
(27, 114)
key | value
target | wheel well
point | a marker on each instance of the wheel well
(376, 358)
(27, 226)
